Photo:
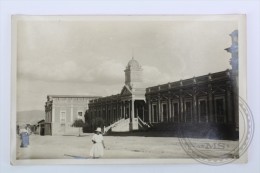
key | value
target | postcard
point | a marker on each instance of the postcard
(129, 90)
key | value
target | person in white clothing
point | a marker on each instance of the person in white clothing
(97, 150)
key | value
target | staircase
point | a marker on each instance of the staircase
(122, 125)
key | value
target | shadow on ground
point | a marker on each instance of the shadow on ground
(83, 135)
(77, 157)
(209, 131)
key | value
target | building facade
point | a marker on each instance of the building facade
(62, 110)
(203, 99)
(210, 100)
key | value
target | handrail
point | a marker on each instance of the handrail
(144, 123)
(150, 124)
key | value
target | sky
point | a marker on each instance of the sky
(88, 57)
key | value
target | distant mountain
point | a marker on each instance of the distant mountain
(30, 117)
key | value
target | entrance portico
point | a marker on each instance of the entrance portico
(134, 104)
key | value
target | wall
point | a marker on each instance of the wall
(71, 106)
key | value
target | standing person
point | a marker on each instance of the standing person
(24, 136)
(97, 150)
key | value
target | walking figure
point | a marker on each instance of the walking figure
(97, 150)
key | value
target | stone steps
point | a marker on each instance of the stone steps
(123, 126)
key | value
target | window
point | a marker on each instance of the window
(80, 114)
(188, 112)
(175, 112)
(220, 110)
(203, 115)
(62, 117)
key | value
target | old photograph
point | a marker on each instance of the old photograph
(96, 89)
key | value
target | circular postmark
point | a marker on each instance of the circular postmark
(216, 147)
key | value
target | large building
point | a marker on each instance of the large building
(204, 101)
(62, 110)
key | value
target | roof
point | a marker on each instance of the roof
(41, 121)
(190, 81)
(73, 96)
(133, 64)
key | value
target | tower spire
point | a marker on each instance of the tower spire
(132, 54)
(133, 73)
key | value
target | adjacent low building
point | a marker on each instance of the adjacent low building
(62, 110)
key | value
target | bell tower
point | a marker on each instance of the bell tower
(234, 50)
(133, 73)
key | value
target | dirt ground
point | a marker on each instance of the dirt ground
(68, 147)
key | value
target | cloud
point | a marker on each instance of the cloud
(49, 71)
(107, 72)
(153, 76)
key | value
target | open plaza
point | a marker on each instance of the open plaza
(117, 147)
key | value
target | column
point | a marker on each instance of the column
(106, 114)
(118, 110)
(71, 114)
(129, 110)
(228, 98)
(103, 112)
(124, 109)
(169, 110)
(109, 113)
(181, 108)
(152, 112)
(115, 116)
(115, 119)
(132, 109)
(143, 112)
(149, 111)
(136, 108)
(110, 116)
(195, 118)
(53, 114)
(211, 114)
(236, 101)
(159, 110)
(121, 110)
(113, 113)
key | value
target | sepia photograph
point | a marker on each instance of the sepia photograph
(129, 89)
